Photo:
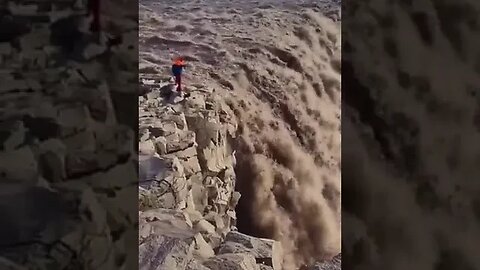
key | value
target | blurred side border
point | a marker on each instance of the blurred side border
(410, 131)
(68, 133)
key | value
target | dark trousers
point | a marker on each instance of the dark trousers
(94, 9)
(178, 81)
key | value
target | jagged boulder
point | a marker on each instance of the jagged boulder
(333, 264)
(168, 241)
(203, 250)
(165, 251)
(151, 167)
(266, 251)
(204, 226)
(146, 147)
(189, 160)
(211, 136)
(160, 127)
(240, 261)
(162, 183)
(194, 265)
(173, 142)
(178, 118)
(180, 141)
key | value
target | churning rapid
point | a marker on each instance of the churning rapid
(277, 66)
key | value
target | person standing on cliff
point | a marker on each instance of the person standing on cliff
(177, 69)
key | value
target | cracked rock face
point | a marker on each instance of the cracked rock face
(185, 158)
(166, 240)
(266, 251)
(240, 261)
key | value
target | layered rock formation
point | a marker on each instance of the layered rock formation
(187, 187)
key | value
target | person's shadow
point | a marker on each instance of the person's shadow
(170, 95)
(167, 93)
